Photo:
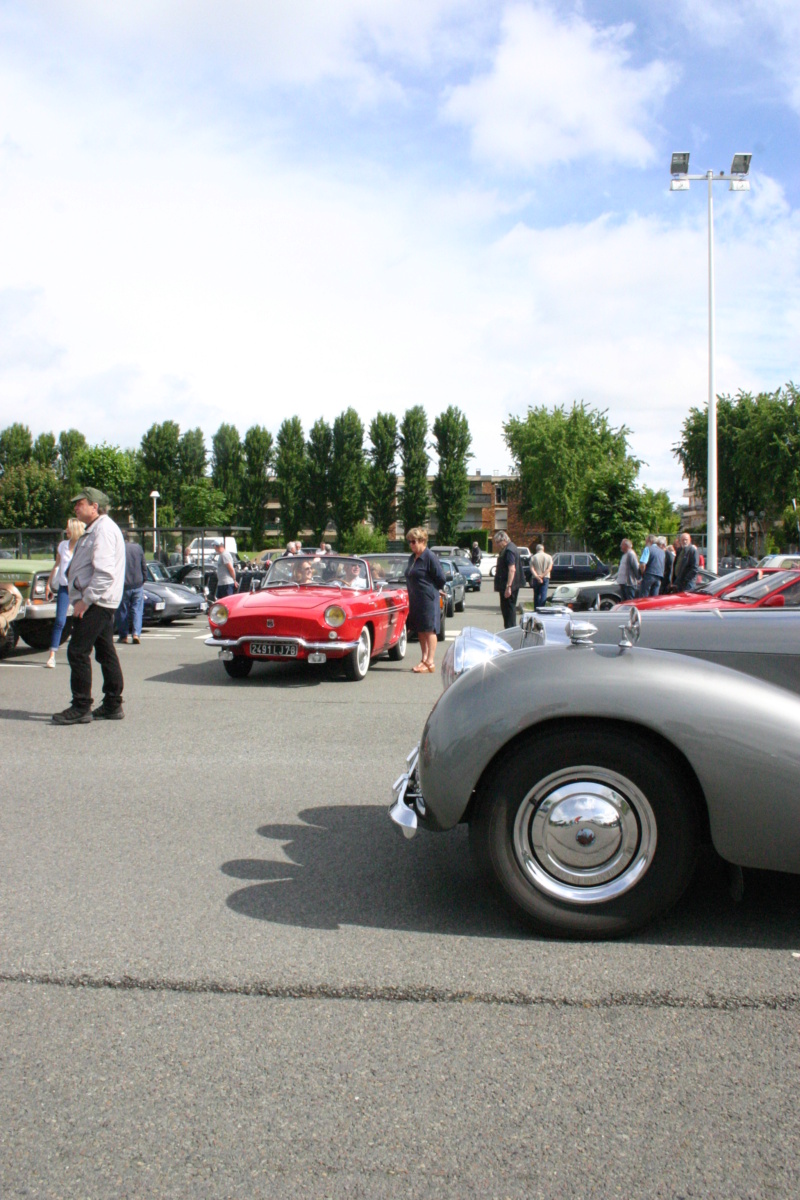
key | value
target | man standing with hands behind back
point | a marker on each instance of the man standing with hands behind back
(96, 578)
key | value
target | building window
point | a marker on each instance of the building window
(500, 493)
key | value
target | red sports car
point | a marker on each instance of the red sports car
(716, 589)
(311, 609)
(777, 589)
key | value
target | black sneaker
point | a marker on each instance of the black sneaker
(104, 713)
(73, 716)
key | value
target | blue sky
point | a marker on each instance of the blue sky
(247, 210)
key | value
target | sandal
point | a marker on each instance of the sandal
(420, 668)
(431, 667)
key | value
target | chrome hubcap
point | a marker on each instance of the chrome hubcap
(362, 652)
(585, 835)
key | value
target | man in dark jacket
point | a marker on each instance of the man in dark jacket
(131, 608)
(475, 555)
(508, 576)
(686, 565)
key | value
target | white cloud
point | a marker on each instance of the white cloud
(560, 90)
(766, 31)
(259, 43)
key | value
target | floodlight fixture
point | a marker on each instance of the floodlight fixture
(740, 164)
(680, 164)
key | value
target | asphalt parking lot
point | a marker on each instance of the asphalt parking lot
(223, 974)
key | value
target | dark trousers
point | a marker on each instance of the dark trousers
(508, 607)
(94, 631)
(628, 591)
(540, 593)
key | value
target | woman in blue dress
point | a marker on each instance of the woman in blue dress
(425, 577)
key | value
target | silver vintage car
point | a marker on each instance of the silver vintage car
(593, 759)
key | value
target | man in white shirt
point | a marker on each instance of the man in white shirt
(96, 578)
(541, 566)
(226, 572)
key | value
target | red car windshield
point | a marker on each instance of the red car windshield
(327, 571)
(734, 579)
(753, 592)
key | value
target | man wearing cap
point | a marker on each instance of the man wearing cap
(96, 578)
(226, 573)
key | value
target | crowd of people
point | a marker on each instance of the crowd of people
(660, 568)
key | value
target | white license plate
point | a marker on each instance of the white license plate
(274, 649)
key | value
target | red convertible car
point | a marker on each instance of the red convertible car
(311, 609)
(716, 589)
(776, 589)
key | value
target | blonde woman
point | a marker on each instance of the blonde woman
(425, 577)
(57, 584)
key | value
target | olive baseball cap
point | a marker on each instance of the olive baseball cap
(94, 496)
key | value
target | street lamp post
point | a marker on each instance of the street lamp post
(155, 497)
(739, 182)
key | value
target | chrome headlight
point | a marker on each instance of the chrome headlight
(471, 648)
(335, 616)
(218, 614)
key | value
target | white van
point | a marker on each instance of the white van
(205, 549)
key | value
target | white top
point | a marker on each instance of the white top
(64, 559)
(97, 574)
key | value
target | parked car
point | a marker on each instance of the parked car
(180, 601)
(388, 570)
(471, 573)
(455, 586)
(574, 567)
(779, 590)
(591, 772)
(784, 562)
(312, 611)
(525, 557)
(716, 589)
(34, 624)
(204, 550)
(735, 562)
(604, 593)
(154, 606)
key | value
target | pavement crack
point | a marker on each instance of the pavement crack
(789, 1002)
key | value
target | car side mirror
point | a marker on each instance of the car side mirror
(774, 601)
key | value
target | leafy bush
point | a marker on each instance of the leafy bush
(362, 541)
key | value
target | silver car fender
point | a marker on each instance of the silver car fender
(739, 735)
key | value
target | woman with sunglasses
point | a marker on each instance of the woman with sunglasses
(425, 577)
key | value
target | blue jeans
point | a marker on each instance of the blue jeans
(651, 585)
(225, 589)
(62, 604)
(540, 593)
(628, 591)
(130, 612)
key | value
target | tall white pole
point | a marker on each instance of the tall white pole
(155, 527)
(713, 519)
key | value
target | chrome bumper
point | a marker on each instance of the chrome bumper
(301, 643)
(408, 798)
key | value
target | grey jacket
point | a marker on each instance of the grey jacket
(97, 572)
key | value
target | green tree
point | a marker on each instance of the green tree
(71, 443)
(384, 437)
(290, 476)
(452, 441)
(203, 505)
(31, 497)
(160, 462)
(111, 470)
(612, 507)
(319, 456)
(16, 446)
(348, 473)
(227, 464)
(258, 450)
(45, 451)
(192, 457)
(414, 465)
(554, 451)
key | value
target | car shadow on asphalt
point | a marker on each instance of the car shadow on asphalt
(345, 865)
(266, 674)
